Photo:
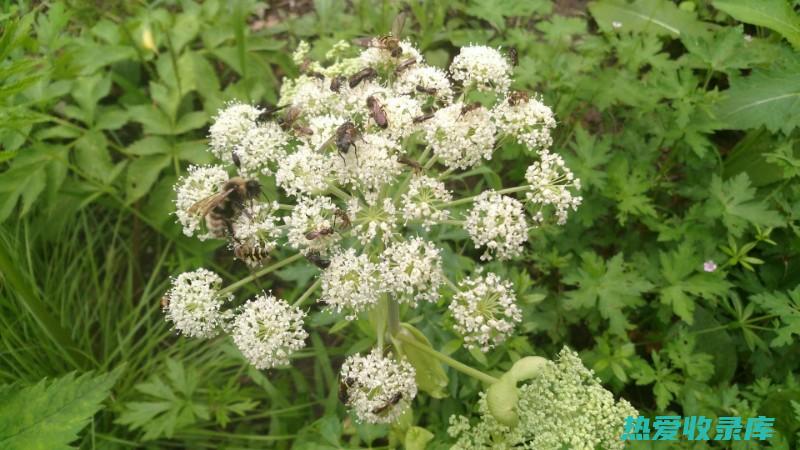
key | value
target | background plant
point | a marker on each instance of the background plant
(681, 131)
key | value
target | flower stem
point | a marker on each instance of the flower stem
(394, 317)
(335, 190)
(465, 200)
(459, 366)
(260, 273)
(307, 293)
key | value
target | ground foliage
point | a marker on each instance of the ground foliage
(680, 119)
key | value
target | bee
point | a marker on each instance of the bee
(164, 302)
(377, 112)
(411, 163)
(469, 107)
(404, 65)
(336, 83)
(395, 399)
(221, 208)
(517, 97)
(424, 90)
(289, 122)
(269, 111)
(366, 73)
(250, 253)
(388, 42)
(311, 235)
(317, 259)
(344, 386)
(341, 215)
(423, 118)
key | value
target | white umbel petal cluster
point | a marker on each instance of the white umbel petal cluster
(530, 122)
(422, 199)
(351, 284)
(202, 182)
(372, 165)
(230, 127)
(461, 140)
(311, 215)
(419, 79)
(379, 389)
(481, 67)
(304, 172)
(260, 147)
(268, 330)
(550, 180)
(485, 311)
(193, 304)
(412, 271)
(498, 223)
(257, 228)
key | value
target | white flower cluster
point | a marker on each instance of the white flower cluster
(563, 406)
(482, 67)
(498, 223)
(194, 303)
(485, 311)
(460, 138)
(268, 330)
(550, 180)
(529, 121)
(378, 389)
(201, 183)
(422, 199)
(412, 270)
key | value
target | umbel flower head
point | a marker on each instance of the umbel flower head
(485, 311)
(497, 222)
(202, 182)
(194, 303)
(377, 388)
(562, 406)
(268, 330)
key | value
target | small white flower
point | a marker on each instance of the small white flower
(377, 219)
(616, 25)
(257, 230)
(230, 126)
(419, 80)
(529, 122)
(304, 172)
(323, 128)
(421, 199)
(412, 270)
(268, 330)
(312, 217)
(261, 146)
(709, 266)
(310, 94)
(193, 303)
(485, 311)
(372, 164)
(377, 56)
(379, 389)
(400, 113)
(498, 223)
(461, 140)
(550, 181)
(354, 100)
(481, 67)
(351, 283)
(200, 183)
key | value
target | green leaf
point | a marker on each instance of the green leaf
(769, 97)
(734, 202)
(660, 17)
(430, 375)
(777, 15)
(142, 173)
(49, 414)
(786, 307)
(417, 438)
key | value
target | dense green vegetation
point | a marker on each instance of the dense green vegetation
(681, 120)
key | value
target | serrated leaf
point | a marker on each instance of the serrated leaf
(49, 414)
(142, 173)
(734, 202)
(769, 97)
(659, 17)
(777, 15)
(786, 307)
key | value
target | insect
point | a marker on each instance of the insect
(344, 386)
(221, 208)
(395, 399)
(366, 73)
(377, 112)
(269, 111)
(424, 90)
(411, 163)
(469, 107)
(336, 83)
(423, 118)
(342, 215)
(311, 235)
(289, 122)
(344, 138)
(317, 259)
(513, 55)
(235, 158)
(164, 302)
(517, 97)
(404, 65)
(389, 42)
(250, 253)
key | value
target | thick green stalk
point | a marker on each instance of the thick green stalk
(459, 366)
(465, 200)
(307, 293)
(394, 317)
(258, 274)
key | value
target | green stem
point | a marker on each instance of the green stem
(466, 200)
(307, 293)
(459, 366)
(234, 286)
(338, 192)
(394, 317)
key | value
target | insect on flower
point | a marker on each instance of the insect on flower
(221, 208)
(364, 74)
(377, 112)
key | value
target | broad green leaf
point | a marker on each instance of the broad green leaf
(142, 173)
(49, 414)
(767, 97)
(777, 15)
(659, 17)
(431, 377)
(417, 438)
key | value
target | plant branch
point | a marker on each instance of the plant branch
(459, 366)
